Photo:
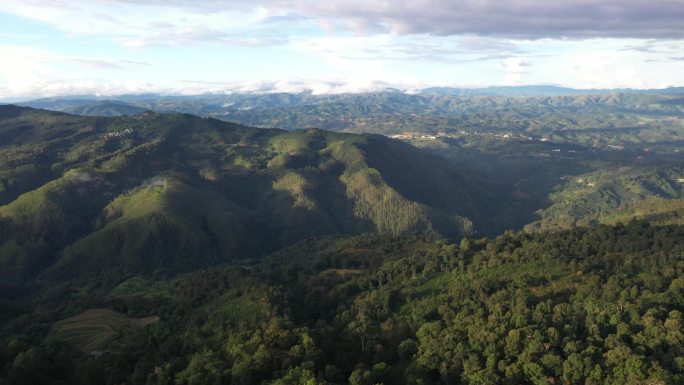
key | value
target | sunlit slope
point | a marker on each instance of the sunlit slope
(177, 192)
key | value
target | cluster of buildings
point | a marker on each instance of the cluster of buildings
(116, 134)
(456, 134)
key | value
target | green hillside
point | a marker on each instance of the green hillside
(180, 192)
(617, 194)
(166, 224)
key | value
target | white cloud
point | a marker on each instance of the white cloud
(150, 46)
(315, 86)
(141, 25)
(27, 71)
(20, 72)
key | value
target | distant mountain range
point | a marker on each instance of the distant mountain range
(588, 117)
(542, 90)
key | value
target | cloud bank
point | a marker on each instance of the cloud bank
(517, 19)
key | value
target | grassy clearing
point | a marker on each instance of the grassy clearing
(146, 288)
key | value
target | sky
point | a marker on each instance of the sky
(110, 47)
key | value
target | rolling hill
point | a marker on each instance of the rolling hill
(180, 192)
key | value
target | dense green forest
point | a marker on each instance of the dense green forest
(599, 305)
(173, 249)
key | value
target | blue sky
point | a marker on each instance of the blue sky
(59, 47)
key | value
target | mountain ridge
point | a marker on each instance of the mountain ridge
(71, 183)
(587, 119)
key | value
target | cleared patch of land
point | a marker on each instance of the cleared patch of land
(95, 329)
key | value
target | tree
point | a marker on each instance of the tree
(205, 368)
(298, 376)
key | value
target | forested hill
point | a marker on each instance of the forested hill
(180, 192)
(586, 306)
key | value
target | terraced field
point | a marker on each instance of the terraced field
(96, 329)
(91, 330)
